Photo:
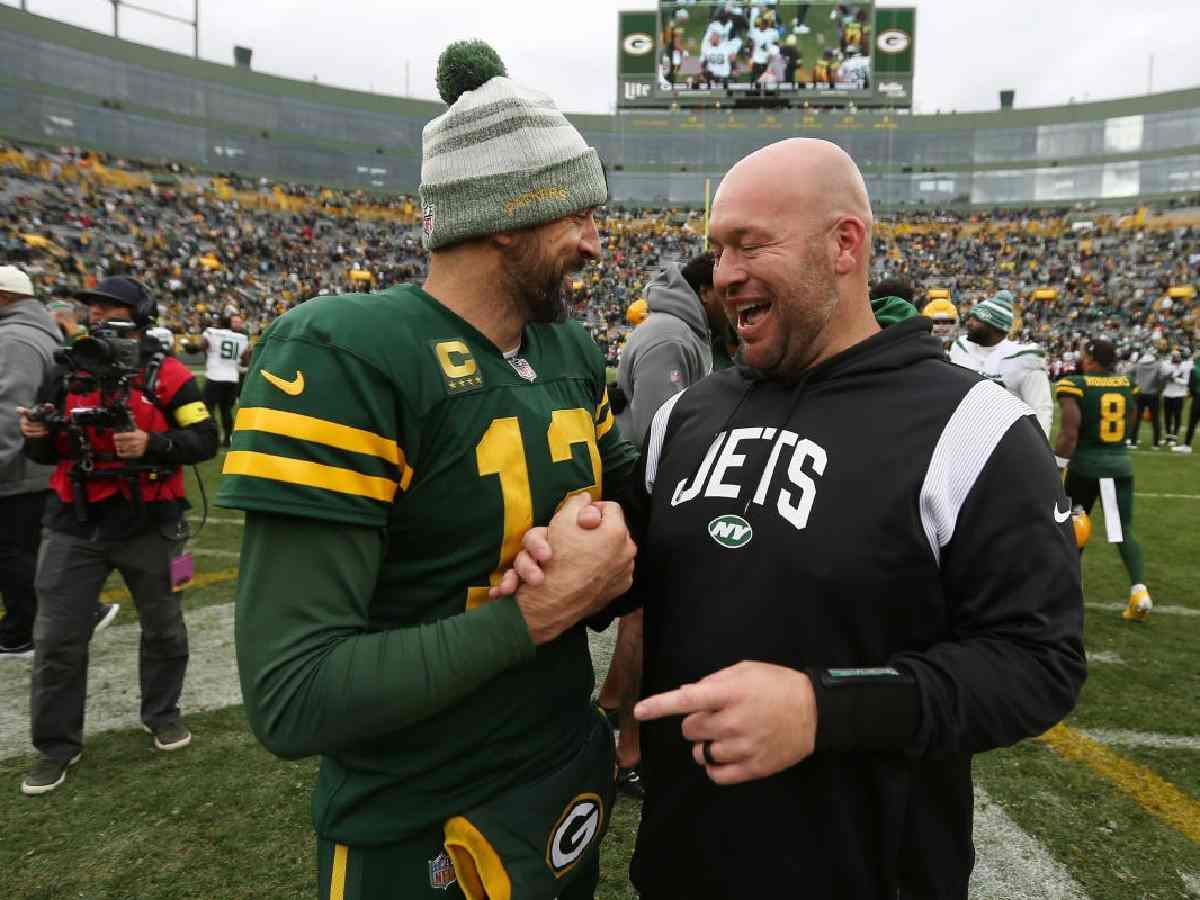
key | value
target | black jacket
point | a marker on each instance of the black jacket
(903, 513)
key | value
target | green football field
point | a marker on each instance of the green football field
(1105, 807)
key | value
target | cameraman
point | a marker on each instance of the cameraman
(117, 503)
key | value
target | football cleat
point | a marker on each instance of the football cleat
(1139, 604)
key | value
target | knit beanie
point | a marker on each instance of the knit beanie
(502, 157)
(995, 311)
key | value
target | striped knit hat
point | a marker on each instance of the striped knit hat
(995, 311)
(502, 157)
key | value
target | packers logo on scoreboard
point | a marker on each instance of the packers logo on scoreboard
(893, 40)
(576, 830)
(458, 366)
(638, 44)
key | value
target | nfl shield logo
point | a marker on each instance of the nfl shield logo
(523, 368)
(427, 218)
(441, 872)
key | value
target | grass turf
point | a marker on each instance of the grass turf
(223, 818)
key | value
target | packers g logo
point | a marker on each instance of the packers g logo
(730, 531)
(893, 41)
(638, 44)
(576, 829)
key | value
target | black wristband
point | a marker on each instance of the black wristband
(865, 708)
(159, 444)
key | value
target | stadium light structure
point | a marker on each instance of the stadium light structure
(194, 21)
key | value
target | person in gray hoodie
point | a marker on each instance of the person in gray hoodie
(668, 352)
(28, 339)
(1148, 376)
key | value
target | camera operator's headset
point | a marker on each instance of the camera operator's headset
(119, 290)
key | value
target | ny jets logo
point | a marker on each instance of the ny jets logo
(730, 531)
(574, 833)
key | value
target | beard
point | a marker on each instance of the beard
(535, 281)
(808, 307)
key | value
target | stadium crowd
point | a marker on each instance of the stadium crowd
(212, 245)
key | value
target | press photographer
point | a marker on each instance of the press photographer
(119, 419)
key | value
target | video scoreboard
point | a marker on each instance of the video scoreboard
(696, 54)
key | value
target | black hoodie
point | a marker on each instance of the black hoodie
(889, 511)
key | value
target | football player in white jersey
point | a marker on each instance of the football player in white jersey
(1020, 368)
(225, 349)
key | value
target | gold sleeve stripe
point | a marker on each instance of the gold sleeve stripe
(309, 474)
(191, 413)
(1068, 389)
(603, 428)
(319, 431)
(337, 879)
(481, 873)
(601, 408)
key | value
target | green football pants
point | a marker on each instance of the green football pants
(415, 869)
(1084, 492)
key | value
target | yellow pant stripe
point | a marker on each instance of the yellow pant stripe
(318, 431)
(337, 880)
(478, 867)
(309, 474)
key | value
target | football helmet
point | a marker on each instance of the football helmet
(945, 319)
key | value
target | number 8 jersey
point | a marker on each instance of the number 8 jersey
(1105, 401)
(390, 411)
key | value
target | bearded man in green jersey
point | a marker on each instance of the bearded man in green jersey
(1098, 411)
(391, 450)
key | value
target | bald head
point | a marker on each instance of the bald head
(791, 226)
(800, 177)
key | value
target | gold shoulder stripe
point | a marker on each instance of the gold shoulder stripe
(191, 413)
(1069, 389)
(601, 406)
(309, 474)
(603, 428)
(320, 431)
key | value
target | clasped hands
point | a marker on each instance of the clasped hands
(745, 722)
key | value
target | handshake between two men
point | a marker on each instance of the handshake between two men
(745, 722)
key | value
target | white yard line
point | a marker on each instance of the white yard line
(1191, 882)
(1171, 496)
(1011, 864)
(113, 693)
(216, 521)
(1120, 737)
(1104, 658)
(1158, 610)
(219, 554)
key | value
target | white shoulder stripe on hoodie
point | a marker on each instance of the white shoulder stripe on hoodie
(658, 432)
(966, 444)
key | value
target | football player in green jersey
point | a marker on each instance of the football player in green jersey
(1097, 413)
(390, 452)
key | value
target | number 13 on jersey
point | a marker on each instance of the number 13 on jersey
(501, 452)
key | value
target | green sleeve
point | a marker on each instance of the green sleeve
(314, 678)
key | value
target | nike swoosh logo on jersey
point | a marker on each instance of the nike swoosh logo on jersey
(1061, 517)
(293, 388)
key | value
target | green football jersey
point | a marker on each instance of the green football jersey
(1105, 401)
(389, 410)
